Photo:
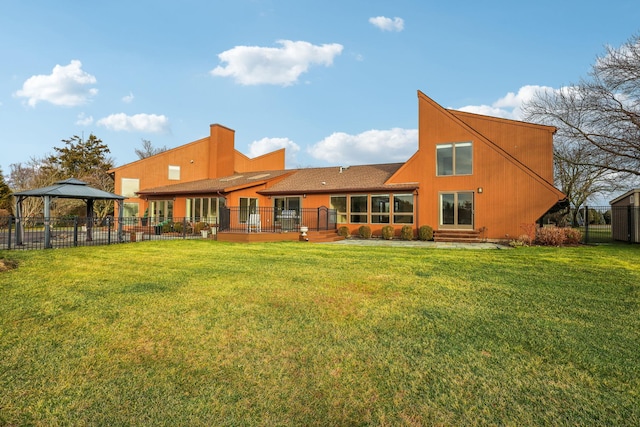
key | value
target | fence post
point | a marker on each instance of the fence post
(108, 230)
(586, 224)
(9, 235)
(184, 227)
(75, 230)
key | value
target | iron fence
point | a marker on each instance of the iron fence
(600, 224)
(63, 232)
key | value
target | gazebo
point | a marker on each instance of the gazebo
(71, 188)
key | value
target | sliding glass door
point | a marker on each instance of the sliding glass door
(456, 210)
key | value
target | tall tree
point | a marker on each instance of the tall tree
(148, 150)
(27, 176)
(87, 160)
(598, 121)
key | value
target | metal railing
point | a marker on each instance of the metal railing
(601, 224)
(275, 220)
(62, 232)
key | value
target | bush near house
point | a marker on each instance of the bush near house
(406, 232)
(425, 233)
(388, 232)
(344, 231)
(364, 231)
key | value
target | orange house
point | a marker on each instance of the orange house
(472, 174)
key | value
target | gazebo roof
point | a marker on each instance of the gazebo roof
(71, 188)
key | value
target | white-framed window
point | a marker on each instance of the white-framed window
(454, 159)
(403, 208)
(380, 209)
(359, 208)
(174, 173)
(339, 204)
(203, 209)
(248, 205)
(130, 186)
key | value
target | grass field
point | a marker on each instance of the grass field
(207, 333)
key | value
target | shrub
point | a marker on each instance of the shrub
(344, 231)
(387, 232)
(177, 227)
(425, 232)
(364, 231)
(199, 226)
(166, 227)
(406, 232)
(572, 236)
(550, 236)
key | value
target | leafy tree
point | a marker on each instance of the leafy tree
(6, 197)
(598, 120)
(148, 150)
(80, 157)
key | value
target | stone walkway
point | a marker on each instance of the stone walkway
(418, 244)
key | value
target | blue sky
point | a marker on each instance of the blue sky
(332, 81)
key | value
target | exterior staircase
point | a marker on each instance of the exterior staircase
(324, 236)
(458, 236)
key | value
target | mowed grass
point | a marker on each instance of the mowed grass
(207, 333)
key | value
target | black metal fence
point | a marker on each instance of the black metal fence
(601, 224)
(38, 233)
(275, 220)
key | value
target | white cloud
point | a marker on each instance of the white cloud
(67, 86)
(137, 123)
(84, 120)
(128, 99)
(510, 105)
(387, 24)
(373, 146)
(267, 145)
(254, 65)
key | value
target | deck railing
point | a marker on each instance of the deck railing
(60, 232)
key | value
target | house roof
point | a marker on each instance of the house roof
(71, 188)
(340, 179)
(295, 181)
(218, 185)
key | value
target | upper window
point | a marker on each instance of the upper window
(130, 186)
(454, 159)
(174, 173)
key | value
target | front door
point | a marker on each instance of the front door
(456, 210)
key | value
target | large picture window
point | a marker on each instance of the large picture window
(359, 209)
(339, 204)
(161, 210)
(454, 159)
(403, 208)
(380, 209)
(203, 209)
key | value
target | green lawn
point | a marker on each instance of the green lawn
(206, 333)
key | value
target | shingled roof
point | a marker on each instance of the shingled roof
(339, 179)
(218, 185)
(295, 181)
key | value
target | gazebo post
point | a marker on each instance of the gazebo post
(120, 219)
(47, 222)
(19, 228)
(89, 220)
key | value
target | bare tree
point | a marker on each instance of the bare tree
(598, 122)
(148, 150)
(27, 176)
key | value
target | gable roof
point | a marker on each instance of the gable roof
(338, 179)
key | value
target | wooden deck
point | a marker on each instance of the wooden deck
(294, 236)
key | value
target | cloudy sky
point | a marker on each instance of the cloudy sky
(332, 81)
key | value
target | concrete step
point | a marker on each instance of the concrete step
(461, 236)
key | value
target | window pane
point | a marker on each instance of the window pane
(380, 219)
(380, 203)
(339, 204)
(447, 202)
(174, 173)
(465, 208)
(130, 186)
(130, 209)
(464, 157)
(444, 155)
(403, 219)
(359, 204)
(403, 203)
(356, 219)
